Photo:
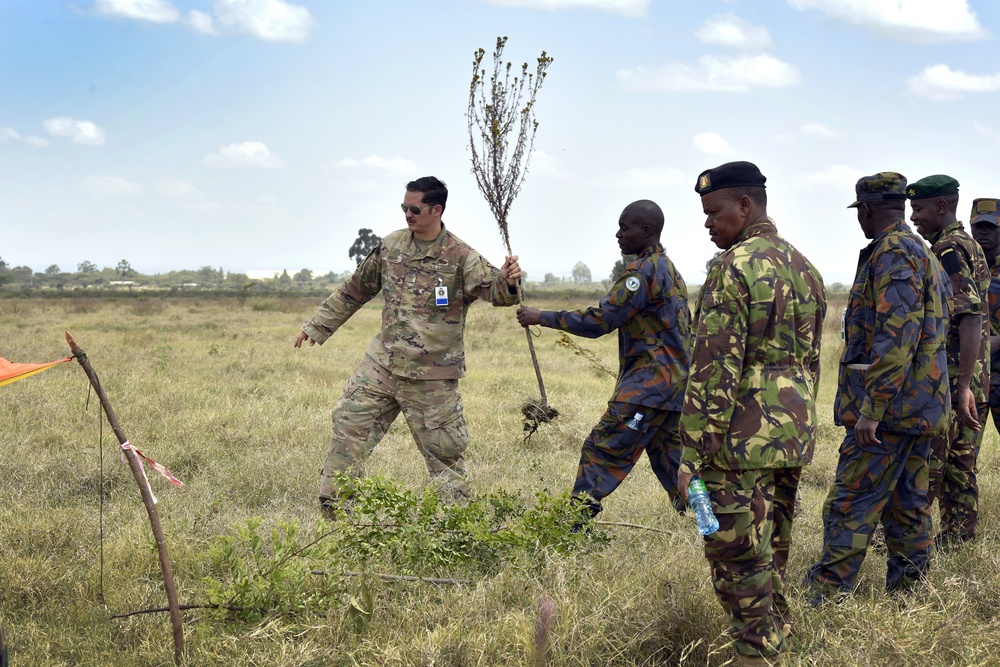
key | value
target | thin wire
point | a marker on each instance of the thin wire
(100, 491)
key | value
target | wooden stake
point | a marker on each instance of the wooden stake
(147, 500)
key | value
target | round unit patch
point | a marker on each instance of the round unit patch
(632, 283)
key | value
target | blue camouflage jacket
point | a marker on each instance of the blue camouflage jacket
(895, 368)
(648, 305)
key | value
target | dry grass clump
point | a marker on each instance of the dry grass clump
(216, 393)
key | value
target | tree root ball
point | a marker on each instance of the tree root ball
(535, 414)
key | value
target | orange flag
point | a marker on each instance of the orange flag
(11, 372)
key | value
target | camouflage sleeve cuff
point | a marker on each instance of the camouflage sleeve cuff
(873, 410)
(691, 460)
(316, 332)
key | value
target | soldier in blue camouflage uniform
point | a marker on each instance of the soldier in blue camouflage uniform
(428, 278)
(892, 397)
(648, 306)
(985, 221)
(934, 204)
(749, 419)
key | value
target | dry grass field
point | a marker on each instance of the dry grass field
(215, 391)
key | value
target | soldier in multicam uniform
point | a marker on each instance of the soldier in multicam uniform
(892, 398)
(648, 306)
(985, 221)
(428, 278)
(934, 204)
(749, 419)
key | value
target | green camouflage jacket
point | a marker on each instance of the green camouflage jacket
(423, 325)
(751, 394)
(894, 368)
(969, 273)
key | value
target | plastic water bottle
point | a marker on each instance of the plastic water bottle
(634, 422)
(701, 505)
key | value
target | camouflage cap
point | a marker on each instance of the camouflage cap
(882, 186)
(937, 185)
(729, 175)
(985, 210)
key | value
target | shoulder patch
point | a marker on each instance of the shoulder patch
(950, 261)
(632, 283)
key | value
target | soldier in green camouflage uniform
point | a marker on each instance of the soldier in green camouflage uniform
(749, 419)
(892, 398)
(648, 306)
(428, 278)
(934, 204)
(985, 222)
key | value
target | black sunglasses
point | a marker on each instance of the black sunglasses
(415, 210)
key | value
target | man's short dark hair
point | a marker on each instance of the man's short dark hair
(757, 195)
(434, 191)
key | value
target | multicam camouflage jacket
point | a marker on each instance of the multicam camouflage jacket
(993, 299)
(894, 368)
(751, 396)
(648, 306)
(969, 274)
(427, 295)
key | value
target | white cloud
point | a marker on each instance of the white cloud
(635, 8)
(811, 129)
(12, 135)
(80, 131)
(910, 20)
(247, 154)
(155, 11)
(201, 22)
(652, 177)
(711, 143)
(176, 188)
(714, 73)
(816, 130)
(110, 187)
(396, 164)
(730, 30)
(940, 82)
(986, 131)
(835, 178)
(271, 20)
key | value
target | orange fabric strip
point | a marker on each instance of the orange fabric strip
(12, 372)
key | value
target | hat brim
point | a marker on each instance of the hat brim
(854, 205)
(992, 218)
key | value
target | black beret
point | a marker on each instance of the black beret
(729, 175)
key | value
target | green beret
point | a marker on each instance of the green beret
(985, 210)
(937, 185)
(729, 175)
(882, 186)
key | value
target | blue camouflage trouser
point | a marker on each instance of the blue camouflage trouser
(612, 450)
(885, 482)
(953, 476)
(748, 553)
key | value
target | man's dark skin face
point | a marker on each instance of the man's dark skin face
(725, 217)
(927, 216)
(987, 235)
(864, 219)
(633, 233)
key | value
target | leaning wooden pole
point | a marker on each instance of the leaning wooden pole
(147, 500)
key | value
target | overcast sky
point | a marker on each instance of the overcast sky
(263, 134)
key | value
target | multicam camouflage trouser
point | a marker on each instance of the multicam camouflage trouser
(748, 553)
(953, 476)
(885, 482)
(612, 450)
(372, 400)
